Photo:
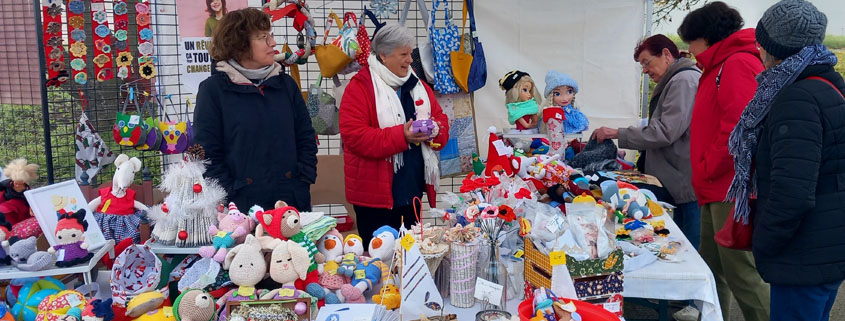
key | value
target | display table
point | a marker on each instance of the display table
(160, 249)
(690, 279)
(9, 272)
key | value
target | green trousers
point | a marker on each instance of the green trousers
(734, 270)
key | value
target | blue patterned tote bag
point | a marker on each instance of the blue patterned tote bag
(443, 41)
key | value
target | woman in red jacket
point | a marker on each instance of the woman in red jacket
(730, 62)
(388, 160)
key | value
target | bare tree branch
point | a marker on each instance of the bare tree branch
(663, 8)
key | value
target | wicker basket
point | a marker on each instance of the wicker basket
(433, 260)
(464, 257)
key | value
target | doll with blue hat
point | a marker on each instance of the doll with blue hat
(559, 112)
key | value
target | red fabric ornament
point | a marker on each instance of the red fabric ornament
(183, 235)
(197, 188)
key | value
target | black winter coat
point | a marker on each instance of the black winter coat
(258, 139)
(799, 227)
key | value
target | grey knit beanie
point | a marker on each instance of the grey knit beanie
(790, 25)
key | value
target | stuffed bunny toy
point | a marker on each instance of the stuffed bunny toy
(116, 210)
(231, 229)
(247, 267)
(24, 256)
(70, 235)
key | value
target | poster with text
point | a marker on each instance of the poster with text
(197, 20)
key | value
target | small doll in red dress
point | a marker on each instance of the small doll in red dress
(116, 210)
(13, 205)
(523, 100)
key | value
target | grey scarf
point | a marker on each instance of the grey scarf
(255, 75)
(744, 138)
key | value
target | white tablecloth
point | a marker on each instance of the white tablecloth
(690, 279)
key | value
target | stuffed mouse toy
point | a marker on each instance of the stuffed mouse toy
(116, 210)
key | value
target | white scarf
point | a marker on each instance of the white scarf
(390, 113)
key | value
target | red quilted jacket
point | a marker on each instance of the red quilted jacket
(717, 110)
(367, 148)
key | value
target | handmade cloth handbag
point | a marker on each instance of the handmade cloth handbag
(127, 129)
(347, 38)
(423, 61)
(736, 235)
(153, 138)
(177, 134)
(323, 110)
(364, 37)
(462, 59)
(331, 58)
(136, 270)
(443, 41)
(477, 77)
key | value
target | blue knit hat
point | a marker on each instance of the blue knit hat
(556, 79)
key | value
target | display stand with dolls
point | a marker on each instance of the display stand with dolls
(521, 97)
(116, 210)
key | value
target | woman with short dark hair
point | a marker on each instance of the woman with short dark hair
(789, 145)
(664, 142)
(251, 119)
(730, 64)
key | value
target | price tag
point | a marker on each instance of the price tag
(60, 255)
(557, 258)
(360, 274)
(135, 119)
(488, 291)
(286, 293)
(554, 224)
(611, 306)
(518, 254)
(407, 242)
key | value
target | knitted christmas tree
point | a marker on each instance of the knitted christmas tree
(191, 206)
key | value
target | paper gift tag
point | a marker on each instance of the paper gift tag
(60, 255)
(360, 274)
(73, 300)
(488, 291)
(287, 292)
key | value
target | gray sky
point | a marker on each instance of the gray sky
(751, 10)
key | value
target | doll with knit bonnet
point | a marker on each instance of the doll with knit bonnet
(70, 236)
(13, 205)
(560, 92)
(521, 97)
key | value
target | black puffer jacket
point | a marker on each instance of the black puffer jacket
(799, 227)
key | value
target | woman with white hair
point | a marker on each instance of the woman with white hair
(388, 158)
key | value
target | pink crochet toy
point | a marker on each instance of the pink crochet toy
(231, 230)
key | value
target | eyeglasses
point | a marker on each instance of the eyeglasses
(647, 62)
(267, 38)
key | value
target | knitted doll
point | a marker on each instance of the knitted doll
(383, 243)
(331, 245)
(116, 210)
(246, 267)
(13, 205)
(353, 248)
(70, 235)
(231, 229)
(560, 94)
(289, 264)
(291, 229)
(521, 97)
(25, 257)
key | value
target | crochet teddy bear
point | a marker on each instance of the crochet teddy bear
(116, 210)
(194, 305)
(24, 256)
(231, 229)
(70, 235)
(246, 266)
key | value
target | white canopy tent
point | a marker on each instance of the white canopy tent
(592, 41)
